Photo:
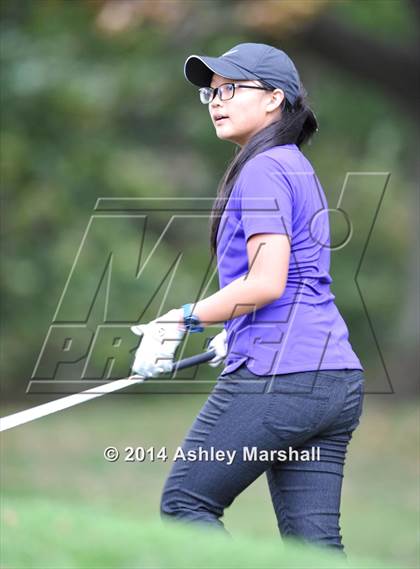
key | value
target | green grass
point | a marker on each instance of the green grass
(43, 534)
(53, 469)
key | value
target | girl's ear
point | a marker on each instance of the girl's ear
(277, 97)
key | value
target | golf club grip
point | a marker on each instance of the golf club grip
(194, 360)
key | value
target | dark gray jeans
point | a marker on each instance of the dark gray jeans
(312, 411)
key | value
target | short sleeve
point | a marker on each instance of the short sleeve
(266, 198)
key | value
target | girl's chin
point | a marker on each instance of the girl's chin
(221, 128)
(226, 134)
(224, 131)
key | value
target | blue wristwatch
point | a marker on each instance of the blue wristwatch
(191, 322)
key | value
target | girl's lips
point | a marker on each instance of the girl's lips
(218, 121)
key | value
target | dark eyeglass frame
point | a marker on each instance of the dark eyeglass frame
(235, 85)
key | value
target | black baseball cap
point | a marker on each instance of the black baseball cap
(247, 61)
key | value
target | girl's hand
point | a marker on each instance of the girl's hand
(161, 338)
(219, 344)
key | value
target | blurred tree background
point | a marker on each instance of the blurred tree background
(95, 110)
(94, 104)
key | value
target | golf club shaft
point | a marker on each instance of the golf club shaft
(59, 404)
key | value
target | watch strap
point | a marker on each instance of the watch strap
(192, 322)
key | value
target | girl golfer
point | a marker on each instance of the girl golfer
(291, 378)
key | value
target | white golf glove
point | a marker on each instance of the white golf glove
(161, 338)
(219, 344)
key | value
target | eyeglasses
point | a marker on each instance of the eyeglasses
(225, 91)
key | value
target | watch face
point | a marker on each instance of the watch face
(192, 324)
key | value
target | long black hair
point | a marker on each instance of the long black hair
(296, 125)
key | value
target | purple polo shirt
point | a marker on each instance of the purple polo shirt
(278, 191)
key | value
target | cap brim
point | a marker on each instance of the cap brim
(199, 70)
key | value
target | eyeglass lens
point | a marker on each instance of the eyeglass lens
(224, 92)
